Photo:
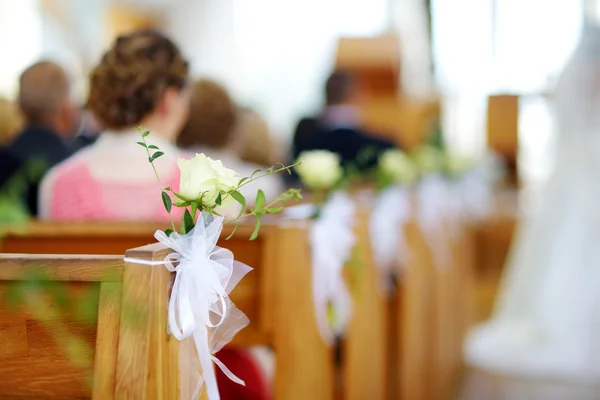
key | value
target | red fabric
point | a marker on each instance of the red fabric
(244, 366)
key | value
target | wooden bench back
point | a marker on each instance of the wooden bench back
(139, 360)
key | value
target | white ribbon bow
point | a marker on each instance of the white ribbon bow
(435, 210)
(200, 306)
(391, 212)
(332, 238)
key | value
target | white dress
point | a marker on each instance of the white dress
(547, 318)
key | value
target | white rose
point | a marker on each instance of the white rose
(398, 166)
(429, 159)
(458, 164)
(319, 169)
(201, 179)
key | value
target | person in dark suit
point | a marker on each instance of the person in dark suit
(338, 127)
(50, 115)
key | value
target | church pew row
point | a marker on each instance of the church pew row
(425, 332)
(434, 309)
(276, 297)
(278, 304)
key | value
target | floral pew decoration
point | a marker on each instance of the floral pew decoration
(436, 207)
(394, 175)
(332, 238)
(200, 312)
(473, 181)
(453, 189)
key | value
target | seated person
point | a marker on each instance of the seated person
(211, 129)
(10, 124)
(338, 128)
(253, 140)
(50, 115)
(140, 81)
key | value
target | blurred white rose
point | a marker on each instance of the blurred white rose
(202, 178)
(398, 166)
(319, 169)
(429, 159)
(457, 164)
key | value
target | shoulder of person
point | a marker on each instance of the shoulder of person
(67, 172)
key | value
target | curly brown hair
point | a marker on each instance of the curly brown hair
(132, 76)
(212, 119)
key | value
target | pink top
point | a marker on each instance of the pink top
(77, 195)
(126, 190)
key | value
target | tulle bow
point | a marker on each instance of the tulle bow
(200, 307)
(391, 211)
(332, 238)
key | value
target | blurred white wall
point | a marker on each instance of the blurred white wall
(20, 41)
(274, 55)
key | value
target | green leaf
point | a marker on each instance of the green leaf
(142, 144)
(156, 155)
(232, 232)
(241, 182)
(219, 199)
(187, 222)
(260, 200)
(255, 172)
(260, 213)
(275, 210)
(237, 196)
(167, 201)
(167, 189)
(286, 196)
(168, 232)
(145, 133)
(256, 229)
(153, 147)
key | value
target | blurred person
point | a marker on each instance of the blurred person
(212, 128)
(546, 323)
(10, 121)
(140, 81)
(254, 142)
(339, 126)
(10, 124)
(49, 118)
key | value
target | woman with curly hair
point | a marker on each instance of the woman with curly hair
(141, 81)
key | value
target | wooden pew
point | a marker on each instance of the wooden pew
(416, 318)
(281, 282)
(366, 344)
(276, 297)
(433, 310)
(503, 131)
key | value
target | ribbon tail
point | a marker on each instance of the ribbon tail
(323, 322)
(227, 371)
(208, 372)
